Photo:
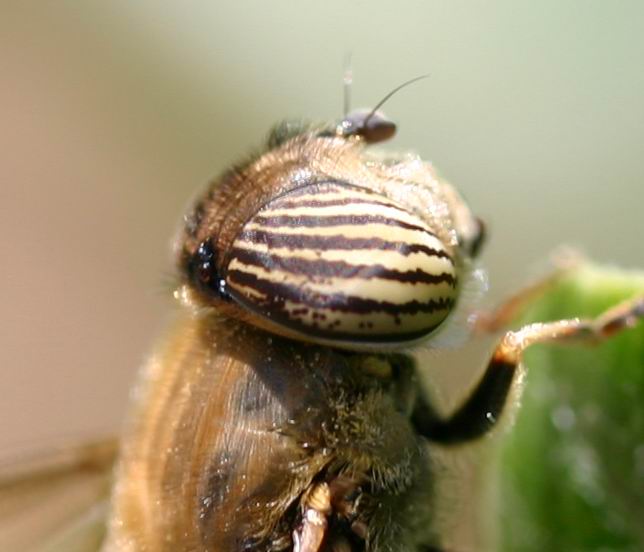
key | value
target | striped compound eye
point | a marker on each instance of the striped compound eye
(340, 263)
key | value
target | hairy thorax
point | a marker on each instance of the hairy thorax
(230, 443)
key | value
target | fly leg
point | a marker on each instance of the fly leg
(512, 307)
(339, 499)
(312, 531)
(482, 408)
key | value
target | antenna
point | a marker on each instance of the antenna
(347, 81)
(390, 94)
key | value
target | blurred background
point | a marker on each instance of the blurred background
(114, 114)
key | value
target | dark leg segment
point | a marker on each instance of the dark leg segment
(482, 408)
(478, 413)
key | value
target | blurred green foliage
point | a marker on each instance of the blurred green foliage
(571, 472)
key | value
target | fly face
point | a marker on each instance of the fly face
(319, 240)
(265, 423)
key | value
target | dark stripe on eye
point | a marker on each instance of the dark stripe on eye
(338, 242)
(339, 269)
(280, 292)
(337, 220)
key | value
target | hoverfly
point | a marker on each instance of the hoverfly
(283, 411)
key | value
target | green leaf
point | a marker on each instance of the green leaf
(571, 471)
